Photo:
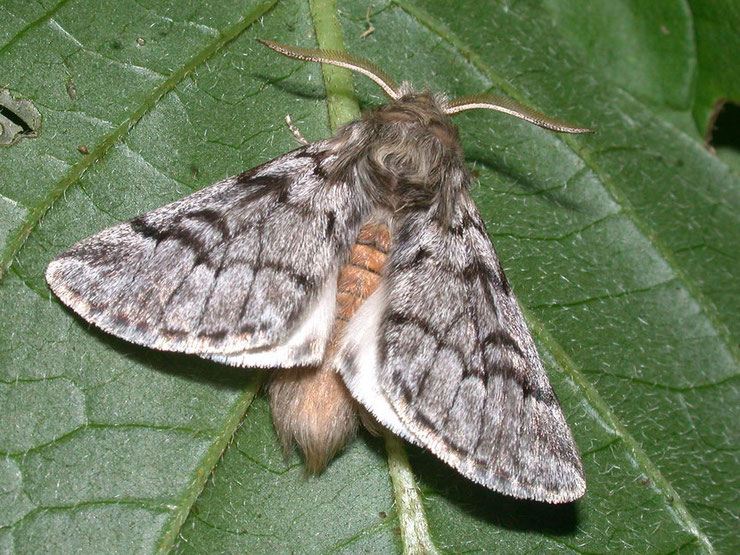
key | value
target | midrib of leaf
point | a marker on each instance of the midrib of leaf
(340, 91)
(676, 505)
(15, 241)
(342, 108)
(411, 517)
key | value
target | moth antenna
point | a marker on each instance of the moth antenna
(341, 59)
(513, 108)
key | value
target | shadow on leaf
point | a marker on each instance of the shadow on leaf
(438, 479)
(190, 367)
(524, 182)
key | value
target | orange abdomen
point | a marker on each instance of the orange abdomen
(359, 278)
(311, 406)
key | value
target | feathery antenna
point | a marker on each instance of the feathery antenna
(341, 59)
(471, 102)
(512, 107)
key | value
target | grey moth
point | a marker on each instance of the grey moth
(359, 269)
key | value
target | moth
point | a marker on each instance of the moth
(359, 268)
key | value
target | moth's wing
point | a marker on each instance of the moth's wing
(243, 271)
(441, 355)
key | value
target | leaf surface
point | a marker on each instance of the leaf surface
(621, 246)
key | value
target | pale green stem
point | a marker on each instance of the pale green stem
(411, 516)
(340, 90)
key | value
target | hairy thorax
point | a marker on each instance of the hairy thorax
(406, 153)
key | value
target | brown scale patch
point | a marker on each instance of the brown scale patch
(312, 407)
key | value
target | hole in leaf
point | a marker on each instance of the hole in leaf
(19, 119)
(724, 126)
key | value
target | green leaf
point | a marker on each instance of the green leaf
(621, 246)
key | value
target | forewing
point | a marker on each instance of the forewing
(456, 369)
(238, 271)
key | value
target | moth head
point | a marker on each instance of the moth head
(471, 102)
(409, 149)
(414, 148)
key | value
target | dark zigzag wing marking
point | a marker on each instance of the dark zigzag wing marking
(460, 368)
(496, 339)
(226, 269)
(187, 242)
(150, 277)
(218, 334)
(253, 189)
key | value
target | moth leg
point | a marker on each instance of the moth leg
(370, 27)
(296, 132)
